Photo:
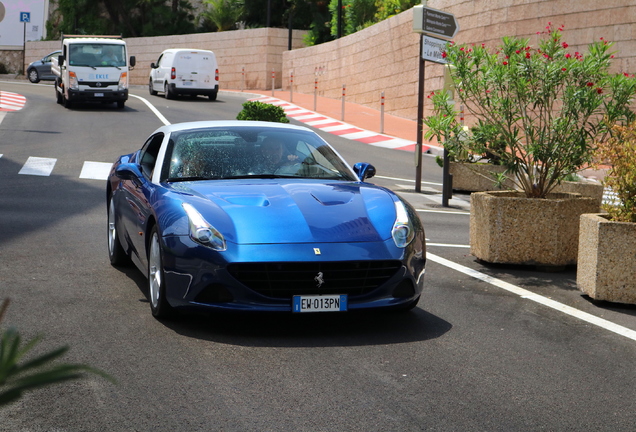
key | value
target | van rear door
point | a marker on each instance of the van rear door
(196, 69)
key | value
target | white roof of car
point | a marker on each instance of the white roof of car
(176, 127)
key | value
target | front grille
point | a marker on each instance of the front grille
(284, 280)
(99, 84)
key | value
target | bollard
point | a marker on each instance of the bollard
(382, 112)
(315, 92)
(242, 78)
(291, 86)
(344, 88)
(273, 81)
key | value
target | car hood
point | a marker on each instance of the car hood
(294, 212)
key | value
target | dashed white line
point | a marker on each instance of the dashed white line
(95, 170)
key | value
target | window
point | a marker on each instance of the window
(149, 153)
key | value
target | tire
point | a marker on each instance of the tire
(116, 252)
(166, 91)
(159, 305)
(152, 91)
(212, 96)
(65, 102)
(33, 75)
(58, 95)
(121, 104)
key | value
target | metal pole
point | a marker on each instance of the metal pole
(344, 89)
(315, 91)
(242, 78)
(420, 119)
(382, 112)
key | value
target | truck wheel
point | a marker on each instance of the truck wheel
(121, 104)
(67, 103)
(152, 91)
(212, 96)
(58, 95)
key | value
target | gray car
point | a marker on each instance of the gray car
(41, 69)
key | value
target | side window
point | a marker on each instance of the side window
(159, 60)
(149, 154)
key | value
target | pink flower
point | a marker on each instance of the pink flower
(563, 69)
(590, 84)
(505, 63)
(599, 90)
(444, 55)
(564, 45)
(527, 55)
(568, 55)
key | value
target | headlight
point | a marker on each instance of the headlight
(403, 231)
(202, 232)
(123, 81)
(72, 81)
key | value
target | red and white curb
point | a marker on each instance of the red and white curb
(340, 128)
(11, 101)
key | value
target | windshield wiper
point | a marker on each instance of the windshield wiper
(259, 176)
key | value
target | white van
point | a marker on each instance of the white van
(185, 71)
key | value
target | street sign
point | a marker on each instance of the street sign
(432, 49)
(25, 17)
(434, 22)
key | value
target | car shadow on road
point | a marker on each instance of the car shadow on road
(311, 330)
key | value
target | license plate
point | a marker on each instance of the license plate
(325, 303)
(99, 94)
(187, 83)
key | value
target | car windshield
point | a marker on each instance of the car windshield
(248, 152)
(97, 55)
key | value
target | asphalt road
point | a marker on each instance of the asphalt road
(471, 357)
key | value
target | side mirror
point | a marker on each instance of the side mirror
(133, 61)
(153, 66)
(60, 60)
(128, 171)
(364, 170)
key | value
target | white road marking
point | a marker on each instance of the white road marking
(529, 295)
(95, 170)
(448, 245)
(38, 166)
(152, 108)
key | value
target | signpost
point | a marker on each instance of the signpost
(429, 23)
(432, 49)
(25, 17)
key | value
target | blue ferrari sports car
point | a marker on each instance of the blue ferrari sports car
(257, 216)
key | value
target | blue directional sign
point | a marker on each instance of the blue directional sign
(25, 17)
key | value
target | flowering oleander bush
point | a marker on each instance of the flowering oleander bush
(540, 111)
(619, 152)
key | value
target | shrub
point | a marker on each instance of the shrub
(620, 153)
(255, 110)
(540, 110)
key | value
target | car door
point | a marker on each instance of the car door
(156, 76)
(139, 194)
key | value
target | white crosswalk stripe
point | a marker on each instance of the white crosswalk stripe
(38, 166)
(95, 170)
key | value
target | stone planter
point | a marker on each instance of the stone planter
(508, 228)
(607, 259)
(477, 177)
(585, 188)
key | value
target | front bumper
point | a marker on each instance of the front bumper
(198, 277)
(105, 95)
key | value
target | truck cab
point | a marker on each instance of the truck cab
(92, 69)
